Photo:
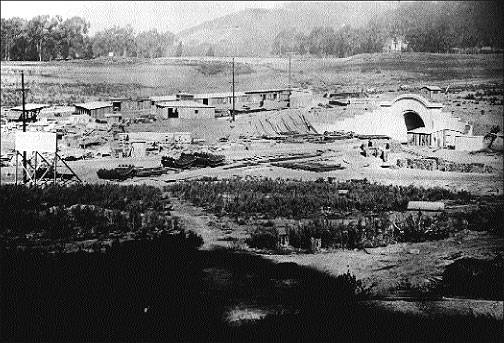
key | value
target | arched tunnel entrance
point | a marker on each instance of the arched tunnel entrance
(413, 120)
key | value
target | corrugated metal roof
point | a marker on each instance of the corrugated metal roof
(30, 107)
(217, 95)
(426, 206)
(183, 103)
(163, 98)
(94, 105)
(267, 90)
(432, 88)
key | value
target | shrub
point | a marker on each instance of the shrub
(262, 239)
(302, 199)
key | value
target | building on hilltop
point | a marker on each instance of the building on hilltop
(431, 92)
(395, 44)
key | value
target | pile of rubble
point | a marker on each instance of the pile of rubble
(434, 163)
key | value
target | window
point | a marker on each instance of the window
(195, 111)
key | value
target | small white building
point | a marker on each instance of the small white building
(469, 143)
(395, 44)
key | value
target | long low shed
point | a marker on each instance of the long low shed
(96, 109)
(184, 109)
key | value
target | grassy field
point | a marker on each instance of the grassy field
(74, 81)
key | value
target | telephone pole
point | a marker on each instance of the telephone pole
(24, 124)
(290, 71)
(233, 111)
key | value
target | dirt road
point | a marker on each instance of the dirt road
(397, 269)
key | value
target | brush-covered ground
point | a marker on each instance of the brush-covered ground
(82, 80)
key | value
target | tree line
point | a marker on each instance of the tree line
(45, 38)
(434, 27)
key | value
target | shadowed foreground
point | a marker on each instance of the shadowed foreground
(166, 289)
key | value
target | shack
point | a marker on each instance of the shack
(282, 237)
(429, 208)
(221, 100)
(431, 92)
(300, 99)
(444, 138)
(163, 98)
(131, 106)
(269, 98)
(420, 136)
(31, 110)
(184, 96)
(184, 109)
(95, 109)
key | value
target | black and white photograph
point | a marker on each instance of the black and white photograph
(252, 171)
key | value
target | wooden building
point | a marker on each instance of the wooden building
(95, 109)
(162, 98)
(31, 110)
(431, 92)
(444, 138)
(222, 100)
(184, 109)
(269, 98)
(431, 208)
(127, 105)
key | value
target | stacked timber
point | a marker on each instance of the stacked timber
(197, 159)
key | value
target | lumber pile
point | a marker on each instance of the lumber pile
(196, 159)
(310, 166)
(124, 172)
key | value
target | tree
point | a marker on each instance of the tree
(284, 42)
(210, 52)
(37, 31)
(120, 41)
(178, 52)
(153, 44)
(322, 41)
(73, 37)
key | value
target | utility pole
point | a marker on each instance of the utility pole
(290, 71)
(233, 111)
(24, 125)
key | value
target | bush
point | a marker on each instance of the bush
(303, 199)
(56, 211)
(262, 239)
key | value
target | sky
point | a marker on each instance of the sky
(173, 16)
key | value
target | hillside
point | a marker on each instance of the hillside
(251, 32)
